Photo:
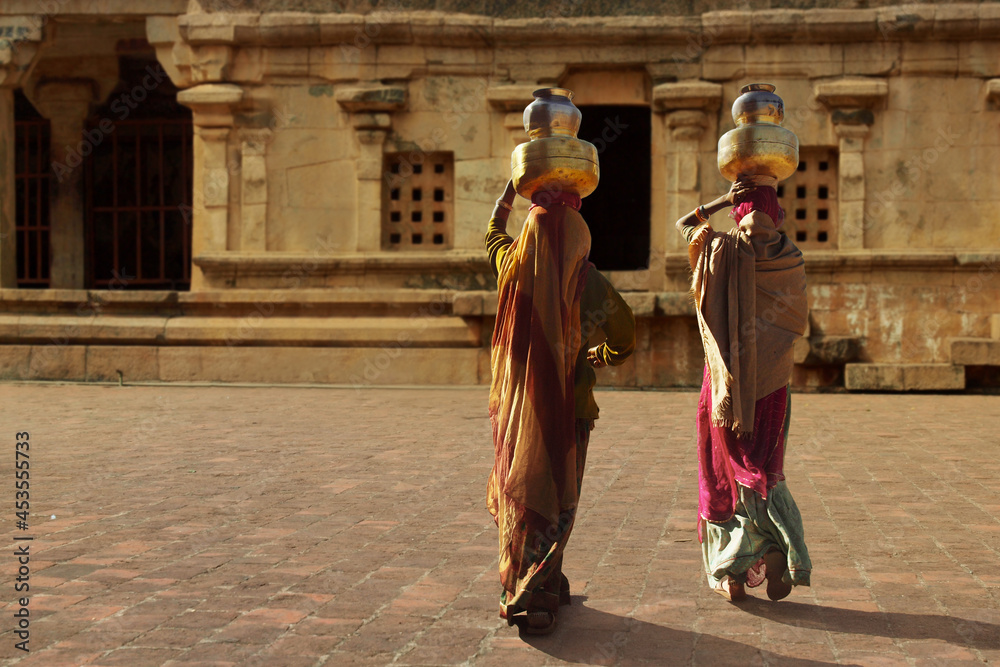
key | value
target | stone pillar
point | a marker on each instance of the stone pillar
(253, 189)
(852, 103)
(212, 105)
(683, 180)
(370, 108)
(17, 58)
(851, 185)
(67, 104)
(371, 129)
(686, 107)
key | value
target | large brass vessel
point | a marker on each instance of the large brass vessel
(554, 159)
(759, 149)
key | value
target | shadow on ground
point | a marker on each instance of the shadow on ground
(592, 637)
(960, 631)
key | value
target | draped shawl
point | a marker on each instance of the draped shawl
(749, 292)
(536, 341)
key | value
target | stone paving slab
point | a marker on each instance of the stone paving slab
(295, 526)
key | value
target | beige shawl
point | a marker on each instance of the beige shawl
(749, 287)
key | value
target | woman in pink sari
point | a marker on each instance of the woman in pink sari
(749, 290)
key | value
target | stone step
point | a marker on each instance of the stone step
(445, 331)
(903, 377)
(355, 366)
(975, 351)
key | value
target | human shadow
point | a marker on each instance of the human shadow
(593, 637)
(960, 631)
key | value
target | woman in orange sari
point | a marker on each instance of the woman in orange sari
(551, 301)
(749, 289)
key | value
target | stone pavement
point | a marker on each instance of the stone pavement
(316, 526)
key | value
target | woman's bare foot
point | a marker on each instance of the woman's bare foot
(776, 564)
(731, 589)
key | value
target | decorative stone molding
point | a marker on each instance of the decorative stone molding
(370, 107)
(851, 103)
(368, 99)
(512, 98)
(993, 92)
(253, 188)
(433, 28)
(854, 93)
(700, 95)
(687, 125)
(212, 103)
(171, 51)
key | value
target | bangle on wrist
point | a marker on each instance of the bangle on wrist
(501, 203)
(702, 214)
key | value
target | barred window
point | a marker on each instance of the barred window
(809, 198)
(418, 201)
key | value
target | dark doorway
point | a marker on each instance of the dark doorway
(31, 177)
(618, 211)
(138, 183)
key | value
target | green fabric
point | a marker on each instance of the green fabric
(759, 525)
(602, 309)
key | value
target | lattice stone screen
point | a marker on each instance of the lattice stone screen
(418, 201)
(809, 198)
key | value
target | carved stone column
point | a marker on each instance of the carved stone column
(253, 189)
(851, 185)
(512, 100)
(67, 104)
(17, 57)
(212, 105)
(852, 104)
(370, 108)
(686, 107)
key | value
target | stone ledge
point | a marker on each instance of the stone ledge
(675, 304)
(90, 302)
(275, 263)
(372, 98)
(975, 351)
(700, 95)
(431, 330)
(874, 260)
(852, 93)
(356, 366)
(511, 99)
(903, 377)
(642, 304)
(103, 9)
(895, 23)
(993, 91)
(821, 350)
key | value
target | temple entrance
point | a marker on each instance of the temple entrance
(618, 211)
(138, 180)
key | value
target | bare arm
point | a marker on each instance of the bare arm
(734, 196)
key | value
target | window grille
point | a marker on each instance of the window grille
(418, 201)
(809, 198)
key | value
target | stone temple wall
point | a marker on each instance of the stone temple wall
(297, 106)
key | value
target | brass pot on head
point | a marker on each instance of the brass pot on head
(759, 149)
(554, 159)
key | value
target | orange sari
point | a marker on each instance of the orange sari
(540, 448)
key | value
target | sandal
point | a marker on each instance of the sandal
(540, 623)
(731, 589)
(776, 564)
